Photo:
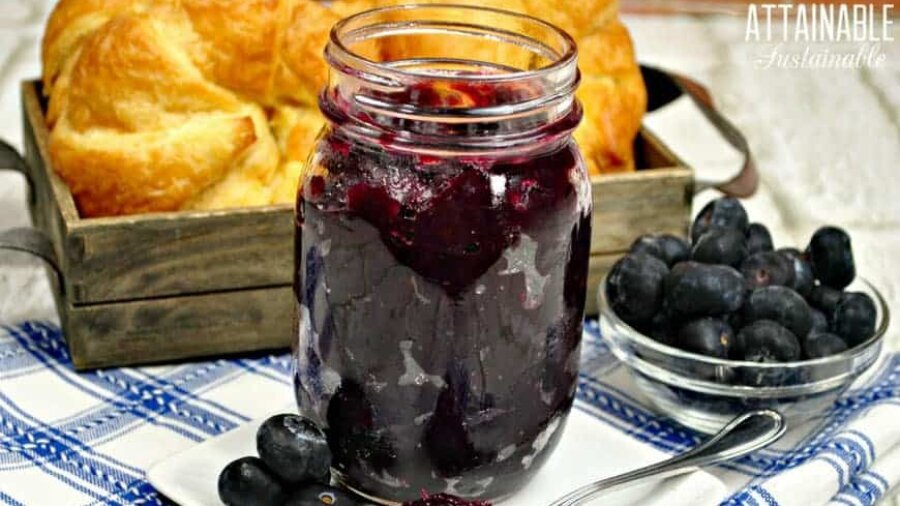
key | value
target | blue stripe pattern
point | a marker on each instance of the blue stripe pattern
(72, 449)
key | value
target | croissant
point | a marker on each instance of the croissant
(163, 105)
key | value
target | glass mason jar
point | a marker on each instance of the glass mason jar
(442, 245)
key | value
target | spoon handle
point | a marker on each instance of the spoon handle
(745, 434)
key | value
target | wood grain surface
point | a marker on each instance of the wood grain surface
(175, 328)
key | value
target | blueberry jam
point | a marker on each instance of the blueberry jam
(442, 246)
(441, 306)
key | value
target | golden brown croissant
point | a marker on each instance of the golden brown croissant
(160, 105)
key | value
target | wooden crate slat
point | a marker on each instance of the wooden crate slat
(652, 201)
(158, 330)
(151, 256)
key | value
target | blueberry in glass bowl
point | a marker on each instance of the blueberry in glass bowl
(738, 325)
(705, 392)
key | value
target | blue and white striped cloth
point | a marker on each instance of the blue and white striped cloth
(86, 439)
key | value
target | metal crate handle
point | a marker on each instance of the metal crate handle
(27, 239)
(664, 87)
(10, 159)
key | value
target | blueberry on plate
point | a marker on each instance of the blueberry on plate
(758, 238)
(294, 448)
(767, 268)
(819, 321)
(666, 247)
(693, 289)
(804, 280)
(316, 494)
(831, 256)
(706, 336)
(635, 287)
(725, 246)
(822, 344)
(248, 482)
(854, 318)
(765, 341)
(726, 212)
(781, 305)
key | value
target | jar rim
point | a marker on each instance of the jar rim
(567, 58)
(526, 80)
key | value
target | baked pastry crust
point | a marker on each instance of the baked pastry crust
(163, 105)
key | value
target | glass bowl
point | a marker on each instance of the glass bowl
(704, 393)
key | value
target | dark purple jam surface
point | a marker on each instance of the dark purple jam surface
(440, 306)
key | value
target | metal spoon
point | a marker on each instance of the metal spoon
(745, 434)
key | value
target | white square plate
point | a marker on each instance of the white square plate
(589, 450)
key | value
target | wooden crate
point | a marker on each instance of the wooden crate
(166, 286)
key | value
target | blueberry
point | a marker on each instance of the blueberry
(356, 434)
(819, 321)
(735, 320)
(674, 249)
(781, 305)
(693, 289)
(659, 328)
(758, 238)
(677, 272)
(765, 341)
(666, 247)
(320, 495)
(767, 268)
(792, 252)
(804, 280)
(725, 212)
(247, 482)
(648, 244)
(635, 287)
(706, 336)
(822, 344)
(831, 256)
(294, 448)
(854, 318)
(825, 299)
(723, 246)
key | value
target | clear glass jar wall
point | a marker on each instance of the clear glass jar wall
(442, 246)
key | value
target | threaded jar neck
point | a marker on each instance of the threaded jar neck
(451, 77)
